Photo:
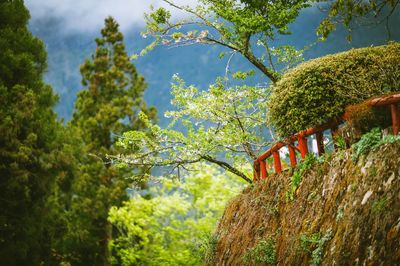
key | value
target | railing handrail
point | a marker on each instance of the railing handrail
(260, 167)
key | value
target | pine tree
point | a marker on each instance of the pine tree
(105, 108)
(28, 132)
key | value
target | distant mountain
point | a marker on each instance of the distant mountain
(198, 65)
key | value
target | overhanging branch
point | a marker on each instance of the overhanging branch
(227, 167)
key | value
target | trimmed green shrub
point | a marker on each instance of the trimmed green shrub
(318, 90)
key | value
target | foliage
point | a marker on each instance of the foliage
(350, 12)
(314, 244)
(168, 228)
(307, 241)
(107, 106)
(319, 90)
(317, 254)
(60, 223)
(231, 24)
(371, 141)
(298, 173)
(339, 214)
(208, 248)
(28, 139)
(263, 253)
(223, 126)
(114, 92)
(340, 143)
(367, 142)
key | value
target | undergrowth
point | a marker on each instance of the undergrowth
(298, 173)
(208, 249)
(263, 253)
(340, 143)
(315, 244)
(371, 141)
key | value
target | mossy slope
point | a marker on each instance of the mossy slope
(344, 213)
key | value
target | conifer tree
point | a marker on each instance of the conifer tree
(105, 108)
(28, 130)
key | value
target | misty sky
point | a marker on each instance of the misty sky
(80, 16)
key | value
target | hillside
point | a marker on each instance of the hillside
(344, 212)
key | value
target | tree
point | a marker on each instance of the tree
(224, 125)
(348, 13)
(106, 107)
(61, 206)
(171, 226)
(351, 12)
(233, 25)
(28, 146)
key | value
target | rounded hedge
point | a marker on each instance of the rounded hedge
(318, 90)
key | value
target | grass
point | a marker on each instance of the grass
(298, 173)
(208, 249)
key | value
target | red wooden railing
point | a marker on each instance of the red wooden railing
(260, 165)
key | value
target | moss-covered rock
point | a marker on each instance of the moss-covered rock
(343, 213)
(320, 89)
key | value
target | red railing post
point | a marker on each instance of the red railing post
(277, 162)
(394, 109)
(320, 142)
(263, 166)
(292, 155)
(303, 146)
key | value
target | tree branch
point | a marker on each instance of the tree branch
(257, 63)
(246, 145)
(227, 167)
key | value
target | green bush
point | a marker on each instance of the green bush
(320, 89)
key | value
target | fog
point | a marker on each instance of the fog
(82, 16)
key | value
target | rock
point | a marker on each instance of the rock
(366, 197)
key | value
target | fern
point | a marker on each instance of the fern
(371, 141)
